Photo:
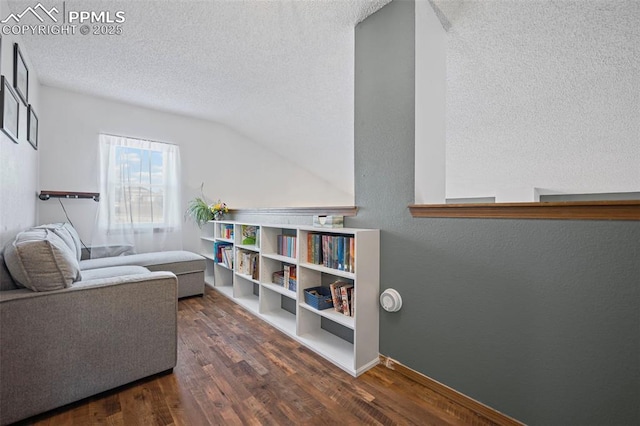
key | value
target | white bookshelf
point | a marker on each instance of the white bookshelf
(206, 249)
(350, 342)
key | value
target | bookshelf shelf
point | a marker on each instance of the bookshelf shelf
(330, 346)
(208, 256)
(280, 258)
(282, 320)
(247, 277)
(335, 272)
(249, 302)
(225, 290)
(332, 315)
(281, 290)
(283, 255)
(224, 265)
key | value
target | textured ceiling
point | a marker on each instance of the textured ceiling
(540, 93)
(280, 72)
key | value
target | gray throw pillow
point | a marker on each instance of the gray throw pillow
(40, 260)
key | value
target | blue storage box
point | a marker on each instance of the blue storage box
(318, 297)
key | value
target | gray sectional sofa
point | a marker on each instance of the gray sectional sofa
(187, 266)
(72, 328)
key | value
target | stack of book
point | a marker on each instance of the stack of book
(287, 245)
(343, 296)
(226, 231)
(247, 263)
(223, 253)
(288, 275)
(332, 251)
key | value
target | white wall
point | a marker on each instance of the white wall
(18, 162)
(232, 167)
(541, 95)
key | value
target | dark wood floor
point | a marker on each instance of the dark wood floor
(234, 369)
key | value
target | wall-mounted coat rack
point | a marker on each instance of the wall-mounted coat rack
(45, 195)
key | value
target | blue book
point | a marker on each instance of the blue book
(340, 253)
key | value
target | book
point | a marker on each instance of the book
(344, 291)
(345, 250)
(287, 245)
(293, 278)
(336, 296)
(226, 231)
(226, 255)
(249, 235)
(247, 264)
(278, 277)
(352, 254)
(328, 249)
(240, 262)
(317, 249)
(353, 301)
(339, 253)
(255, 266)
(287, 276)
(331, 251)
(219, 249)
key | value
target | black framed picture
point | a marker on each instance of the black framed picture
(32, 127)
(9, 116)
(20, 74)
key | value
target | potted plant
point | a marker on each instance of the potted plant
(219, 209)
(201, 212)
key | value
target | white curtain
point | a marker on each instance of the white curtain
(139, 197)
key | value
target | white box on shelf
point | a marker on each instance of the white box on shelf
(328, 221)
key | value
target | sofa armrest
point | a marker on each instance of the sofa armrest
(61, 346)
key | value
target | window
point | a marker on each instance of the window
(139, 194)
(139, 189)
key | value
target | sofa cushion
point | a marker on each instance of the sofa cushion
(40, 260)
(114, 271)
(68, 234)
(6, 282)
(178, 262)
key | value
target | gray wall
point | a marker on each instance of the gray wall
(538, 319)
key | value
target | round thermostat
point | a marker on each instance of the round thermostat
(390, 300)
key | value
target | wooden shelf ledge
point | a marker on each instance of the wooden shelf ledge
(300, 211)
(572, 210)
(45, 195)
